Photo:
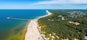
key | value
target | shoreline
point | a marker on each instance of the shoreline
(33, 32)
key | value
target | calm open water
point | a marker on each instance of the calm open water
(6, 24)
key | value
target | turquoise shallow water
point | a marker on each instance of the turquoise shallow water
(7, 25)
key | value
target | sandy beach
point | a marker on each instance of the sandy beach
(32, 30)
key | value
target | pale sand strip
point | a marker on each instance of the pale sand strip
(32, 30)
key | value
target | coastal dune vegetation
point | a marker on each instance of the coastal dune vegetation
(64, 25)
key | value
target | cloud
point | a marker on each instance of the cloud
(77, 1)
(63, 2)
(53, 4)
(60, 4)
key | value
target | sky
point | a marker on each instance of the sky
(43, 4)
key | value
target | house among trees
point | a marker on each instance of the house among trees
(62, 17)
(76, 23)
(76, 14)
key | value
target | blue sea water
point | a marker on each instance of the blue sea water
(10, 24)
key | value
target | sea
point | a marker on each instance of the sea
(14, 20)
